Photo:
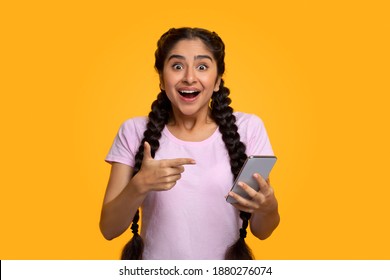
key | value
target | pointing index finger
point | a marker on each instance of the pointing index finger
(177, 162)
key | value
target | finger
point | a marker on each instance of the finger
(168, 183)
(169, 179)
(243, 202)
(264, 186)
(165, 186)
(242, 208)
(177, 170)
(251, 192)
(257, 196)
(163, 172)
(177, 162)
(173, 178)
(147, 152)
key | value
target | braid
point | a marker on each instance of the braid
(157, 119)
(222, 113)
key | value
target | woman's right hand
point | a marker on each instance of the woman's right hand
(125, 193)
(158, 175)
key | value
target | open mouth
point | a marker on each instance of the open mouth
(189, 93)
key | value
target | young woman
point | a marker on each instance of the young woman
(179, 163)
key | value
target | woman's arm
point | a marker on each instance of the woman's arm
(263, 224)
(125, 192)
(263, 206)
(121, 201)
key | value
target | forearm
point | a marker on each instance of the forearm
(263, 224)
(117, 215)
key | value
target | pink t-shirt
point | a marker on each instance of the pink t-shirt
(192, 220)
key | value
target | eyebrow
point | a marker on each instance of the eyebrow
(197, 57)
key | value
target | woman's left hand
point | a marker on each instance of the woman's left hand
(262, 201)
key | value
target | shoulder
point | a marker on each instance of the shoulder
(136, 121)
(245, 120)
(135, 124)
(250, 126)
(127, 141)
(253, 133)
(133, 129)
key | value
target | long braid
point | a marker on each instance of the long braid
(222, 113)
(157, 119)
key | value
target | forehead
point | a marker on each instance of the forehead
(189, 48)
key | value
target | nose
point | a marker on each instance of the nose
(189, 76)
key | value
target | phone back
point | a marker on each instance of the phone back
(254, 164)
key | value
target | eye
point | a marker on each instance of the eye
(202, 67)
(177, 66)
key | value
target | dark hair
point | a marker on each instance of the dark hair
(222, 114)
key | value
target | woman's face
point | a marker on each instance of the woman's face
(189, 77)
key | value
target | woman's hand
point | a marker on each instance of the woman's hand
(262, 201)
(125, 193)
(263, 206)
(158, 175)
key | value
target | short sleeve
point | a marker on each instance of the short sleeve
(126, 142)
(254, 134)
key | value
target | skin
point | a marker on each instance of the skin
(124, 196)
(263, 206)
(189, 66)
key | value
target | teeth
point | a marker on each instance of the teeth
(188, 91)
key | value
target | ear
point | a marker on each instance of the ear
(162, 86)
(217, 83)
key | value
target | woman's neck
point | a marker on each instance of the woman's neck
(192, 128)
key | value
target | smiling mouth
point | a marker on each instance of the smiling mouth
(189, 93)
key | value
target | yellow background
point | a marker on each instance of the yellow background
(316, 72)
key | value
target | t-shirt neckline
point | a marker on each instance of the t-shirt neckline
(172, 137)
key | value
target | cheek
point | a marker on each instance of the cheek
(211, 82)
(170, 79)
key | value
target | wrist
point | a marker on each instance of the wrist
(268, 211)
(137, 187)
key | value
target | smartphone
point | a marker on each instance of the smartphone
(253, 164)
